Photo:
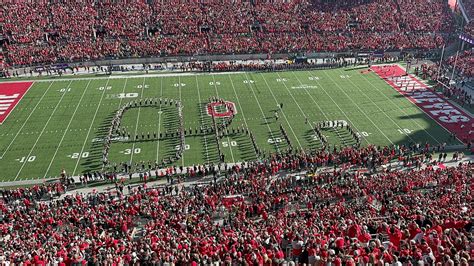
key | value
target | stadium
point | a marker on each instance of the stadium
(260, 132)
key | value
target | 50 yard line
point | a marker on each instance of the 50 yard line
(202, 120)
(26, 121)
(42, 131)
(241, 109)
(228, 139)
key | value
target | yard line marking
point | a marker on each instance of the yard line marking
(90, 127)
(123, 91)
(283, 113)
(136, 125)
(335, 103)
(320, 109)
(241, 109)
(263, 114)
(299, 107)
(67, 128)
(393, 103)
(359, 89)
(228, 139)
(368, 118)
(26, 121)
(42, 131)
(159, 121)
(179, 88)
(202, 120)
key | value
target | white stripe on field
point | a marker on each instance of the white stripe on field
(26, 121)
(283, 113)
(42, 131)
(90, 127)
(66, 131)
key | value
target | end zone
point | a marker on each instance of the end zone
(450, 117)
(10, 95)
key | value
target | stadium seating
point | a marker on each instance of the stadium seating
(341, 217)
(464, 63)
(55, 32)
(469, 29)
(469, 7)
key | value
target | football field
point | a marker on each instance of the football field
(61, 124)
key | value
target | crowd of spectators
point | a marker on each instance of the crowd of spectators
(469, 29)
(412, 216)
(468, 7)
(46, 32)
(464, 63)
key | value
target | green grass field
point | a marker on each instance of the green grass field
(59, 124)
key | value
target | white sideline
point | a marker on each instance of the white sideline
(228, 139)
(123, 76)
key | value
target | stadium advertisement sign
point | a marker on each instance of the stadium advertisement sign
(10, 96)
(449, 116)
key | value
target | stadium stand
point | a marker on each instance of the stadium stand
(464, 63)
(340, 217)
(55, 32)
(392, 205)
(469, 29)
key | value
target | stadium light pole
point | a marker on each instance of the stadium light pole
(454, 67)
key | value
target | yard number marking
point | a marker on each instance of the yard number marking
(274, 140)
(404, 131)
(226, 144)
(186, 147)
(129, 151)
(363, 133)
(27, 159)
(76, 155)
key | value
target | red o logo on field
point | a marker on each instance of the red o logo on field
(221, 109)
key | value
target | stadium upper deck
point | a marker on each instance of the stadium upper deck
(52, 32)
